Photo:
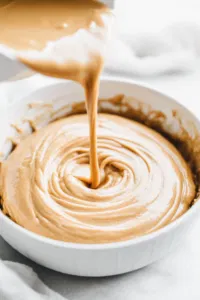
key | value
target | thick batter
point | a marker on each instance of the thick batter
(60, 182)
(144, 182)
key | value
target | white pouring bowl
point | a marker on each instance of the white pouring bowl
(97, 259)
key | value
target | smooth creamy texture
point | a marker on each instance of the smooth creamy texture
(145, 182)
(57, 182)
(31, 24)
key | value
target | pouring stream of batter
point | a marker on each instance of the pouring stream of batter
(39, 22)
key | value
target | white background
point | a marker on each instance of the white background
(153, 15)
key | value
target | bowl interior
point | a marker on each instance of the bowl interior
(118, 97)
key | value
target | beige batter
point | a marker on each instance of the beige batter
(60, 182)
(144, 182)
(31, 24)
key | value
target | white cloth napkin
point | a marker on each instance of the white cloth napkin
(176, 48)
(19, 282)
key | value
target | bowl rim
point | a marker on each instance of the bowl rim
(122, 244)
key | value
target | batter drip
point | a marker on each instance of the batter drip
(68, 25)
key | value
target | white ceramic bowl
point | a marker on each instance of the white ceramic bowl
(98, 259)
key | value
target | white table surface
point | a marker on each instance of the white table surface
(175, 277)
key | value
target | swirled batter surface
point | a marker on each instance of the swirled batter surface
(144, 181)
